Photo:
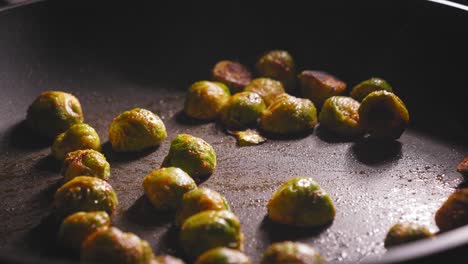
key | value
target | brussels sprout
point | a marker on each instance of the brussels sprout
(278, 65)
(78, 136)
(406, 232)
(340, 115)
(463, 167)
(301, 202)
(318, 86)
(248, 137)
(222, 255)
(198, 200)
(166, 186)
(204, 100)
(454, 212)
(135, 130)
(210, 229)
(191, 154)
(166, 259)
(232, 74)
(86, 162)
(364, 88)
(383, 115)
(85, 194)
(289, 115)
(78, 226)
(242, 110)
(267, 88)
(291, 253)
(53, 112)
(113, 246)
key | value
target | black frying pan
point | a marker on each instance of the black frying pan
(116, 57)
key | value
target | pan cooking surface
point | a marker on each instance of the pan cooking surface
(373, 185)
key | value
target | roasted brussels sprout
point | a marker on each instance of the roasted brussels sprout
(406, 232)
(191, 154)
(222, 255)
(267, 88)
(204, 100)
(318, 86)
(383, 115)
(112, 246)
(301, 202)
(454, 212)
(78, 136)
(135, 130)
(78, 226)
(289, 115)
(166, 186)
(463, 167)
(339, 114)
(242, 110)
(210, 229)
(291, 253)
(198, 200)
(166, 259)
(232, 74)
(88, 162)
(361, 90)
(278, 65)
(53, 112)
(85, 194)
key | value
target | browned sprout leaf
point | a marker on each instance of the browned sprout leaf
(247, 137)
(463, 167)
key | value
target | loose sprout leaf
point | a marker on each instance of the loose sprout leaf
(247, 137)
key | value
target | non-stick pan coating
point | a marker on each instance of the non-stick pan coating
(114, 58)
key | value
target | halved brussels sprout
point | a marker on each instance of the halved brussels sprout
(340, 115)
(267, 88)
(463, 167)
(192, 154)
(166, 186)
(242, 110)
(278, 65)
(204, 100)
(210, 229)
(383, 115)
(454, 212)
(112, 246)
(406, 232)
(291, 253)
(301, 202)
(223, 255)
(78, 136)
(136, 130)
(233, 74)
(318, 86)
(88, 162)
(364, 88)
(53, 112)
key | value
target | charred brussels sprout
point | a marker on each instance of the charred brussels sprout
(204, 100)
(454, 212)
(86, 162)
(166, 259)
(318, 86)
(242, 110)
(53, 112)
(462, 167)
(383, 115)
(135, 130)
(289, 115)
(340, 115)
(210, 229)
(192, 154)
(366, 87)
(166, 186)
(278, 65)
(267, 88)
(113, 246)
(406, 232)
(85, 194)
(301, 202)
(233, 74)
(78, 226)
(198, 200)
(78, 136)
(222, 255)
(291, 253)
